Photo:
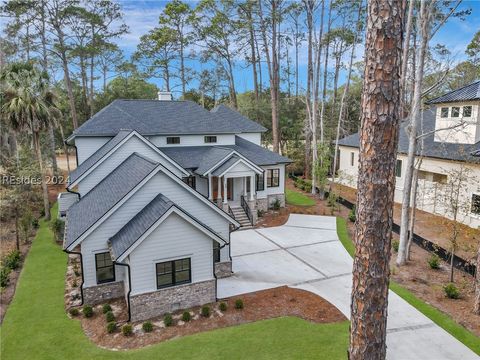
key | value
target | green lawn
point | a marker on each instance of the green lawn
(297, 198)
(441, 319)
(36, 326)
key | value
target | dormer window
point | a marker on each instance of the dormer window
(444, 112)
(173, 140)
(455, 111)
(467, 111)
(210, 139)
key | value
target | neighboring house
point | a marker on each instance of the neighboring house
(161, 184)
(451, 136)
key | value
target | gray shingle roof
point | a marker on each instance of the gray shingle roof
(466, 93)
(211, 158)
(476, 152)
(155, 117)
(432, 148)
(96, 203)
(225, 165)
(139, 224)
(98, 155)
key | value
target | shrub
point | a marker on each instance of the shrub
(127, 330)
(35, 223)
(332, 199)
(12, 260)
(111, 327)
(168, 320)
(260, 213)
(395, 245)
(73, 311)
(109, 316)
(223, 306)
(451, 291)
(74, 283)
(351, 215)
(434, 262)
(205, 311)
(56, 225)
(87, 311)
(147, 326)
(239, 304)
(4, 280)
(186, 316)
(307, 188)
(276, 204)
(106, 308)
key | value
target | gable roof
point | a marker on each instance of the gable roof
(157, 117)
(144, 222)
(432, 148)
(466, 93)
(96, 203)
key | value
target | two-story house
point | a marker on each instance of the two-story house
(448, 137)
(159, 186)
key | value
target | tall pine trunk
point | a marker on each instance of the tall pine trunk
(376, 181)
(38, 152)
(476, 302)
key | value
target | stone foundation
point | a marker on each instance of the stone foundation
(97, 294)
(157, 303)
(223, 269)
(265, 204)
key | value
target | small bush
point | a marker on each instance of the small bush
(239, 304)
(395, 245)
(106, 308)
(223, 306)
(35, 223)
(109, 316)
(73, 311)
(308, 188)
(87, 311)
(4, 280)
(351, 215)
(451, 291)
(74, 283)
(434, 262)
(205, 311)
(111, 327)
(186, 316)
(260, 213)
(56, 225)
(127, 330)
(168, 320)
(275, 205)
(12, 260)
(147, 326)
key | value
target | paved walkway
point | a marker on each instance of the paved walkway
(305, 253)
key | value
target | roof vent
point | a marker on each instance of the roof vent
(165, 95)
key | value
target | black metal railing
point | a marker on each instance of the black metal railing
(246, 208)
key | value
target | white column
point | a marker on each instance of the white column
(210, 187)
(252, 187)
(225, 190)
(219, 188)
(245, 186)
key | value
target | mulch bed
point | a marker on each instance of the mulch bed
(261, 305)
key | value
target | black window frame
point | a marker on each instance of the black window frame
(270, 177)
(216, 252)
(455, 112)
(442, 112)
(107, 255)
(210, 139)
(470, 108)
(173, 140)
(398, 168)
(190, 181)
(259, 180)
(173, 272)
(352, 158)
(475, 208)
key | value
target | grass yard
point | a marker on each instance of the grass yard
(297, 198)
(438, 317)
(36, 325)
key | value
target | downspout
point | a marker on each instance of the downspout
(130, 287)
(81, 269)
(73, 192)
(76, 151)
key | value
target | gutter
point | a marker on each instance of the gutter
(129, 287)
(81, 269)
(73, 192)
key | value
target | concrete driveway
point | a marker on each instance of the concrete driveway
(306, 253)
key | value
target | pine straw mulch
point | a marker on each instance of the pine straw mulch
(260, 305)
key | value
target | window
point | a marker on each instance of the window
(476, 204)
(173, 139)
(398, 168)
(273, 177)
(190, 181)
(260, 182)
(210, 139)
(455, 111)
(216, 252)
(467, 111)
(444, 112)
(171, 273)
(352, 159)
(104, 268)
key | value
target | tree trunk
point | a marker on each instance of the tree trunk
(53, 155)
(68, 85)
(17, 235)
(251, 33)
(38, 151)
(182, 62)
(476, 302)
(411, 227)
(406, 46)
(309, 5)
(376, 181)
(65, 148)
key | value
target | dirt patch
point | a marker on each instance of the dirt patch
(266, 304)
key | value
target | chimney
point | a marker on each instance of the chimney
(165, 95)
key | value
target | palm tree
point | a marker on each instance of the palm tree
(28, 105)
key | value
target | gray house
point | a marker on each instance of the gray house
(161, 184)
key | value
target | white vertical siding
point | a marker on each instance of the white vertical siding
(174, 239)
(86, 146)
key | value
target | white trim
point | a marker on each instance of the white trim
(236, 163)
(179, 212)
(116, 147)
(233, 152)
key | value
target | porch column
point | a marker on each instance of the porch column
(252, 187)
(245, 186)
(225, 190)
(210, 187)
(219, 190)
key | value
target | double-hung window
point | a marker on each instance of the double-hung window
(105, 269)
(455, 111)
(273, 177)
(444, 112)
(173, 140)
(352, 158)
(467, 111)
(398, 168)
(216, 252)
(175, 272)
(475, 204)
(260, 182)
(210, 139)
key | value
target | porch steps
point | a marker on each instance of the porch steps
(241, 217)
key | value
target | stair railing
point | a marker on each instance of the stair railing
(246, 208)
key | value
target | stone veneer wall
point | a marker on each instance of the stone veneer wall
(265, 204)
(223, 269)
(156, 303)
(96, 294)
